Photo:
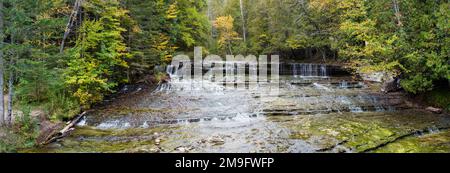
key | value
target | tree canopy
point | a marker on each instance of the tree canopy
(108, 43)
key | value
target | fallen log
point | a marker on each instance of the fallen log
(434, 110)
(65, 131)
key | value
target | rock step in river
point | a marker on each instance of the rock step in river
(318, 108)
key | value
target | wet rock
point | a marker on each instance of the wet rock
(434, 110)
(391, 86)
(411, 104)
(157, 141)
(155, 150)
(54, 145)
(216, 140)
(183, 149)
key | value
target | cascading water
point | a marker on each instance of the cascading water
(344, 84)
(309, 70)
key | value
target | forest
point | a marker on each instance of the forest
(65, 56)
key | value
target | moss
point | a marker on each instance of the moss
(71, 145)
(356, 132)
(88, 139)
(93, 132)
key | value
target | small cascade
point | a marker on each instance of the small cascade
(294, 70)
(376, 103)
(355, 109)
(171, 70)
(323, 71)
(163, 87)
(344, 84)
(82, 122)
(351, 106)
(309, 70)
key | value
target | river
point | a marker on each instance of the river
(318, 108)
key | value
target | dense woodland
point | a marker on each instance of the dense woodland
(63, 56)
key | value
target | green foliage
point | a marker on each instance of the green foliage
(98, 54)
(158, 29)
(22, 135)
(417, 83)
(113, 41)
(27, 128)
(439, 97)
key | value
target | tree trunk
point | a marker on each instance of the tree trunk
(397, 12)
(244, 32)
(10, 92)
(324, 55)
(10, 84)
(230, 49)
(72, 19)
(2, 103)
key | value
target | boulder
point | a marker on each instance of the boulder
(373, 77)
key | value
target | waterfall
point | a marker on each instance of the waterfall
(344, 84)
(323, 71)
(352, 108)
(170, 70)
(377, 105)
(309, 70)
(355, 109)
(294, 70)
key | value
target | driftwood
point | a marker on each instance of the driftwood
(434, 110)
(65, 131)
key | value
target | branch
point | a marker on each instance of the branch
(65, 131)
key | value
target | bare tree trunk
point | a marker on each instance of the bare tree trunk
(230, 49)
(398, 14)
(244, 32)
(72, 19)
(324, 55)
(210, 18)
(2, 103)
(10, 93)
(10, 85)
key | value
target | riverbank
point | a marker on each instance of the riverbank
(40, 126)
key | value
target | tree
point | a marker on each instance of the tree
(244, 32)
(2, 103)
(227, 35)
(99, 53)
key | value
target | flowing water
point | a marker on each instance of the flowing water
(318, 108)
